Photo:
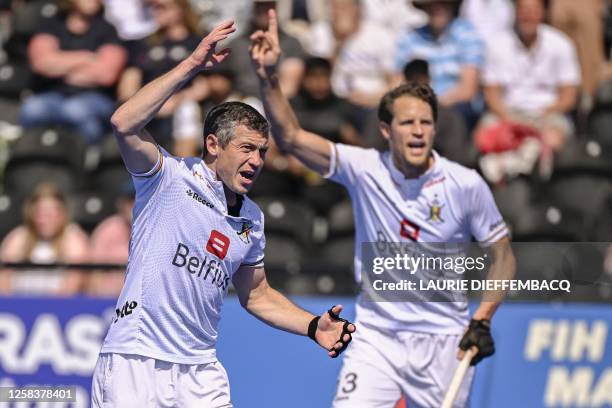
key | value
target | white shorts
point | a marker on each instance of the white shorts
(126, 380)
(380, 366)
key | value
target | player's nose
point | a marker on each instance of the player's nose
(417, 128)
(256, 160)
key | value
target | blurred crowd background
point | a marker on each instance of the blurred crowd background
(525, 92)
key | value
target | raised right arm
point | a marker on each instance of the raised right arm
(138, 149)
(311, 149)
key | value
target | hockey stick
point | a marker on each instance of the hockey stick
(457, 380)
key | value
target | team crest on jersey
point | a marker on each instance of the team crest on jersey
(197, 174)
(245, 232)
(435, 211)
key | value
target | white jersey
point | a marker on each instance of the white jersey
(448, 204)
(184, 251)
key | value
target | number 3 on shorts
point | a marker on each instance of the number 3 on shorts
(348, 383)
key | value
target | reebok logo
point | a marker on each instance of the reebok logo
(198, 198)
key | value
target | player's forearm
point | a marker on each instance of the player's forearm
(283, 122)
(141, 108)
(503, 268)
(565, 102)
(274, 309)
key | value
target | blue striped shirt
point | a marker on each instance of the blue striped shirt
(460, 45)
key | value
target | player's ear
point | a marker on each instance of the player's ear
(211, 144)
(385, 129)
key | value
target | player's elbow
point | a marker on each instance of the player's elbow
(120, 123)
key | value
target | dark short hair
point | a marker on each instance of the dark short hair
(416, 69)
(223, 119)
(545, 3)
(414, 89)
(312, 64)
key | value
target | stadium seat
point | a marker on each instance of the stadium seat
(23, 177)
(540, 261)
(9, 111)
(337, 254)
(10, 213)
(340, 219)
(274, 183)
(50, 145)
(513, 198)
(587, 194)
(89, 208)
(109, 173)
(283, 256)
(322, 197)
(287, 217)
(543, 221)
(586, 155)
(25, 22)
(110, 177)
(15, 77)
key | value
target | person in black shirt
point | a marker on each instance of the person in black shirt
(319, 110)
(77, 59)
(290, 68)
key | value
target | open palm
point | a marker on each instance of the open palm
(205, 56)
(332, 334)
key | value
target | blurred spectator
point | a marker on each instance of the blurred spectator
(294, 16)
(189, 117)
(488, 16)
(131, 18)
(213, 12)
(177, 37)
(531, 77)
(582, 21)
(291, 68)
(109, 244)
(451, 139)
(78, 59)
(362, 53)
(454, 51)
(319, 110)
(46, 236)
(396, 16)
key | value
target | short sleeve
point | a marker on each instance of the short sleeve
(107, 34)
(255, 256)
(148, 183)
(569, 69)
(493, 69)
(291, 47)
(404, 51)
(50, 25)
(347, 163)
(472, 46)
(486, 223)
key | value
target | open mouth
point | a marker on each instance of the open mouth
(417, 147)
(248, 175)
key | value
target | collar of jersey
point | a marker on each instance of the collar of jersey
(217, 187)
(399, 178)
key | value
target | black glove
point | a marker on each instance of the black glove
(314, 324)
(479, 335)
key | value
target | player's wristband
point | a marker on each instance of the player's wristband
(312, 328)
